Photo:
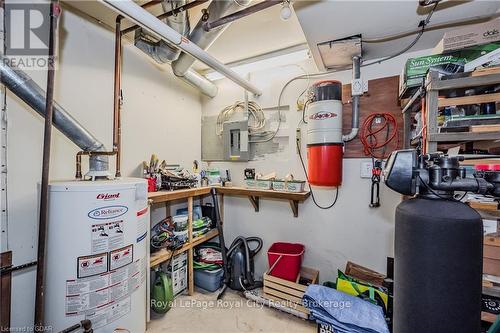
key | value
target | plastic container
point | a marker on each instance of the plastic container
(208, 280)
(290, 260)
(296, 186)
(180, 222)
(182, 236)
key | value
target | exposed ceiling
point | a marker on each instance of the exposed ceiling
(371, 19)
(320, 21)
(250, 36)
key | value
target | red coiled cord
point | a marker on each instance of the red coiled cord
(370, 138)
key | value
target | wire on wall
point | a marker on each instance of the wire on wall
(256, 126)
(310, 188)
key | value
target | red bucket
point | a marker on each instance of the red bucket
(285, 260)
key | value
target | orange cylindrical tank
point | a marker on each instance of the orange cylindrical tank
(325, 164)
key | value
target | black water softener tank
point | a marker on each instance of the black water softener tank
(438, 267)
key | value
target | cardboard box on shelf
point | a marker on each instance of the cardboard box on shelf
(453, 62)
(471, 35)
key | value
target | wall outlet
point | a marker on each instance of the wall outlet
(366, 169)
(357, 87)
(298, 139)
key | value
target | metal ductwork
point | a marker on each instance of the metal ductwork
(161, 51)
(204, 39)
(143, 18)
(32, 94)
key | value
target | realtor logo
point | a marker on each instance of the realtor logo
(27, 27)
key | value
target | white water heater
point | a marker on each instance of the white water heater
(97, 255)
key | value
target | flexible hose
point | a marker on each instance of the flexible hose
(369, 136)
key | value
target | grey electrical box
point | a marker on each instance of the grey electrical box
(235, 141)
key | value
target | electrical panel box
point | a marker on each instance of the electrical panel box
(235, 141)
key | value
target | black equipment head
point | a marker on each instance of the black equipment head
(436, 176)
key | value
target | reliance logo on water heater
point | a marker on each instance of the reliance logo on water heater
(109, 212)
(108, 196)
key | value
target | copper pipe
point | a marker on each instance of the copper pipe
(117, 95)
(174, 11)
(79, 155)
(44, 188)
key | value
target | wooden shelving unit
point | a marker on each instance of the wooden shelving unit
(164, 255)
(433, 87)
(254, 196)
(166, 197)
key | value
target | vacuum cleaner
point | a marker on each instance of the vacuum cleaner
(438, 243)
(238, 260)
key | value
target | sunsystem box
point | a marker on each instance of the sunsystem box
(453, 62)
(468, 36)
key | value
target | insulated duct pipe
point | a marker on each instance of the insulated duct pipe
(148, 21)
(27, 90)
(203, 38)
(159, 50)
(356, 74)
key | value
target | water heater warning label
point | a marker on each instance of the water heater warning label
(107, 236)
(105, 294)
(92, 265)
(106, 316)
(121, 257)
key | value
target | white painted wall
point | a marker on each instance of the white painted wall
(161, 115)
(350, 230)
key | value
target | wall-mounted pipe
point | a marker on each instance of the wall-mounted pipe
(207, 26)
(44, 184)
(204, 39)
(160, 50)
(356, 74)
(200, 82)
(148, 21)
(33, 95)
(117, 96)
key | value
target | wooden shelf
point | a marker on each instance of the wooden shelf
(463, 136)
(254, 195)
(465, 82)
(164, 255)
(468, 100)
(481, 161)
(164, 196)
(488, 317)
(488, 206)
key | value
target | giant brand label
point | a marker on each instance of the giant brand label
(322, 115)
(108, 196)
(108, 212)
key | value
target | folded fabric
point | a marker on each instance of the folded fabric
(346, 313)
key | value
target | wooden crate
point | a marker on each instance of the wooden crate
(364, 274)
(290, 293)
(491, 254)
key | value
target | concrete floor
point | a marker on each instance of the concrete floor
(202, 313)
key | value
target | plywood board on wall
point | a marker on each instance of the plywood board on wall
(382, 96)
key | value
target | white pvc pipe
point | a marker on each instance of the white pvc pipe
(149, 22)
(200, 82)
